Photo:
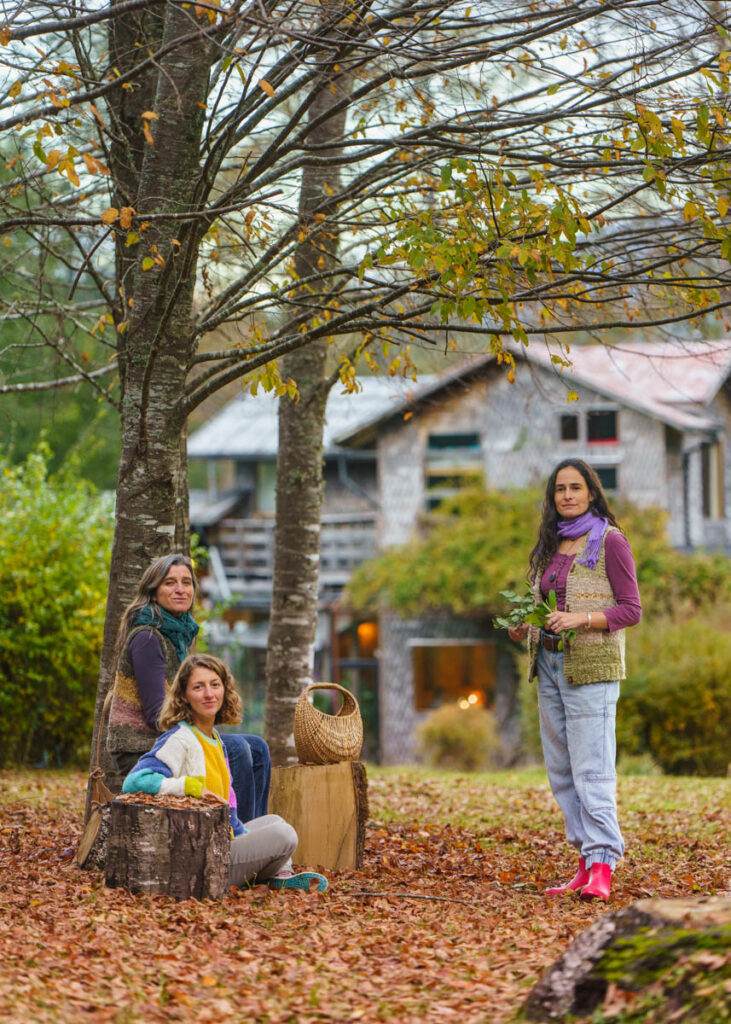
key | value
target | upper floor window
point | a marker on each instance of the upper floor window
(608, 477)
(569, 427)
(601, 425)
(454, 443)
(452, 462)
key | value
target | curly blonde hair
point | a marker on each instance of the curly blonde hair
(176, 709)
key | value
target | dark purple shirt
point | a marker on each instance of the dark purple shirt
(148, 662)
(620, 566)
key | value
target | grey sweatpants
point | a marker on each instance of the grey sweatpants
(266, 849)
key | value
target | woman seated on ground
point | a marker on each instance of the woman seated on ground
(189, 760)
(156, 632)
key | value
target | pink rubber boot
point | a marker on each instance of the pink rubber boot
(600, 880)
(580, 879)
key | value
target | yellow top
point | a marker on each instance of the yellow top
(218, 779)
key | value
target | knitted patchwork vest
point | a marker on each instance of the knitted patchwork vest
(594, 655)
(128, 732)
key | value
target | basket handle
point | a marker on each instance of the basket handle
(347, 695)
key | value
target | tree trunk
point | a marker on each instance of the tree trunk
(157, 847)
(641, 948)
(290, 654)
(155, 347)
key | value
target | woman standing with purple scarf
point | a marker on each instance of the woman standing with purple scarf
(583, 556)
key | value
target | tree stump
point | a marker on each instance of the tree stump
(178, 846)
(327, 805)
(664, 946)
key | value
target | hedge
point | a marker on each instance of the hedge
(54, 563)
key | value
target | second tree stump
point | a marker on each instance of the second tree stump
(177, 846)
(327, 804)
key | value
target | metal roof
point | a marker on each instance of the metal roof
(673, 381)
(247, 427)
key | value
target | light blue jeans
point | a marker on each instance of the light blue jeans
(579, 747)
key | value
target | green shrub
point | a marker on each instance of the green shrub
(54, 562)
(460, 739)
(675, 705)
(676, 701)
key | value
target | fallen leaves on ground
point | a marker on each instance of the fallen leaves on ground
(446, 923)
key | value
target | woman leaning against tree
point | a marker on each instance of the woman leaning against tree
(584, 557)
(156, 634)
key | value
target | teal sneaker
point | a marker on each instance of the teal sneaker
(303, 880)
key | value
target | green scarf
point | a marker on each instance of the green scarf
(181, 630)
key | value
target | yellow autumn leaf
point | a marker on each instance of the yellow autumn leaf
(132, 238)
(690, 211)
(266, 86)
(71, 174)
(90, 163)
(149, 115)
(148, 263)
(52, 158)
(5, 35)
(15, 89)
(148, 133)
(110, 215)
(722, 206)
(125, 217)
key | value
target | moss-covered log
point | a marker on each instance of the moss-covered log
(653, 961)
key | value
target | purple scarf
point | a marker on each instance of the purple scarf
(595, 526)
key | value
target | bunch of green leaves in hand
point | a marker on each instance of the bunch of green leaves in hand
(523, 605)
(541, 612)
(526, 610)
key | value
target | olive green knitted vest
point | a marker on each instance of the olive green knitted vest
(128, 732)
(594, 655)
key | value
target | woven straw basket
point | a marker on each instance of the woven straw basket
(327, 739)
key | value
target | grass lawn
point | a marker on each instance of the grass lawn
(447, 921)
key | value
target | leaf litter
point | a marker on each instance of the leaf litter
(447, 922)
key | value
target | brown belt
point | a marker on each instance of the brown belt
(550, 641)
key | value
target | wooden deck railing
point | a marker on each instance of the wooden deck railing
(246, 547)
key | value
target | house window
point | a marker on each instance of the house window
(452, 670)
(569, 427)
(453, 461)
(601, 425)
(712, 480)
(607, 477)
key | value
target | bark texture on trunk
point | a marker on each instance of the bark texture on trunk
(290, 654)
(637, 949)
(180, 852)
(156, 305)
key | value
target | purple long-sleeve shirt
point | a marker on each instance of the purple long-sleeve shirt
(620, 567)
(148, 662)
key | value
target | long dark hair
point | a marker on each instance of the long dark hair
(548, 538)
(150, 580)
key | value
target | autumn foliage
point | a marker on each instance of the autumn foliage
(447, 921)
